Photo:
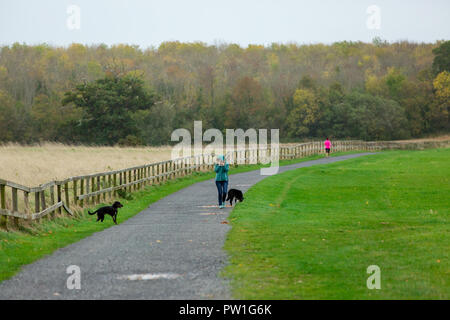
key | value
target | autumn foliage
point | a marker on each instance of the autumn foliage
(126, 95)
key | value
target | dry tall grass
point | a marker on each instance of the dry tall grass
(34, 165)
(38, 164)
(445, 137)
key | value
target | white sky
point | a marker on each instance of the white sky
(148, 23)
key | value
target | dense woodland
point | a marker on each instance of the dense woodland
(125, 95)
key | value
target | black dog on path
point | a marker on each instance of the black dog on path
(112, 211)
(236, 195)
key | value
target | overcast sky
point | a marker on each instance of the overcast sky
(150, 22)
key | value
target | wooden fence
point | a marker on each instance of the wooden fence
(20, 203)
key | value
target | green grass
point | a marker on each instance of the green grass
(311, 233)
(28, 245)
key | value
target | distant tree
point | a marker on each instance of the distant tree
(307, 82)
(416, 98)
(305, 114)
(369, 117)
(155, 124)
(51, 121)
(8, 115)
(438, 114)
(108, 105)
(441, 60)
(394, 80)
(388, 86)
(15, 122)
(247, 104)
(442, 86)
(379, 42)
(335, 93)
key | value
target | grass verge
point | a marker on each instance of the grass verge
(311, 233)
(30, 244)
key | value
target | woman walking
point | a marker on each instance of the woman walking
(327, 144)
(221, 169)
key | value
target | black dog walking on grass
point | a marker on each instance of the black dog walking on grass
(111, 210)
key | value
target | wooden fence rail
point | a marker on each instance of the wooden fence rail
(79, 192)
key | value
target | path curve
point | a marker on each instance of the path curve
(179, 239)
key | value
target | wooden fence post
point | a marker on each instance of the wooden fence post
(66, 194)
(15, 206)
(130, 179)
(75, 192)
(92, 190)
(137, 178)
(147, 176)
(98, 189)
(59, 196)
(52, 200)
(103, 186)
(43, 203)
(3, 219)
(88, 188)
(115, 184)
(36, 203)
(26, 201)
(166, 170)
(175, 168)
(110, 184)
(138, 172)
(152, 174)
(145, 171)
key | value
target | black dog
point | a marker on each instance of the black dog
(236, 195)
(112, 211)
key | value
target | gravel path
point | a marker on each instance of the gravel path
(177, 243)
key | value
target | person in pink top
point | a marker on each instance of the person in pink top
(327, 144)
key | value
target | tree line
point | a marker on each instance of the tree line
(126, 95)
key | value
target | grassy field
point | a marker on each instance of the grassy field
(311, 233)
(21, 248)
